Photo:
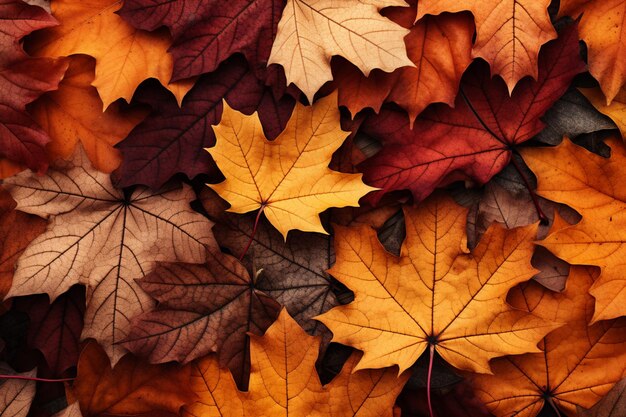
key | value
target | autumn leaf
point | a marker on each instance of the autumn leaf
(612, 405)
(55, 327)
(474, 139)
(207, 33)
(124, 55)
(508, 33)
(616, 110)
(589, 184)
(310, 32)
(567, 372)
(283, 381)
(288, 178)
(131, 388)
(17, 230)
(104, 239)
(171, 139)
(22, 80)
(435, 293)
(73, 113)
(202, 309)
(440, 49)
(601, 27)
(16, 395)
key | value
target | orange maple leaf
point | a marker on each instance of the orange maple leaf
(508, 33)
(435, 294)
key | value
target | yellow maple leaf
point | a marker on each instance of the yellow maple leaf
(616, 110)
(435, 294)
(310, 32)
(288, 178)
(591, 185)
(125, 56)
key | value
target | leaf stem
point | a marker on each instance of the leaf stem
(542, 216)
(256, 225)
(32, 378)
(556, 410)
(430, 374)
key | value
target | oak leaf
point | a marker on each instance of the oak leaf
(509, 33)
(17, 230)
(55, 327)
(616, 110)
(602, 29)
(209, 32)
(124, 55)
(310, 32)
(434, 293)
(104, 239)
(283, 381)
(171, 139)
(73, 113)
(589, 184)
(202, 309)
(439, 46)
(22, 80)
(578, 365)
(473, 140)
(131, 387)
(16, 395)
(288, 178)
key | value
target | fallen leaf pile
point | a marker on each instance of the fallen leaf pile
(372, 208)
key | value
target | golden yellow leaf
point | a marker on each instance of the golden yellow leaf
(579, 363)
(591, 185)
(125, 56)
(435, 293)
(73, 113)
(288, 178)
(509, 33)
(284, 382)
(310, 32)
(616, 110)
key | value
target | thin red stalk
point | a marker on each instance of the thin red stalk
(556, 410)
(30, 378)
(430, 374)
(256, 225)
(542, 217)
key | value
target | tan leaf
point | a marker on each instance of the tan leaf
(16, 395)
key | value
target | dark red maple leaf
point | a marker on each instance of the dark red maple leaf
(202, 309)
(22, 80)
(207, 32)
(473, 140)
(172, 139)
(55, 328)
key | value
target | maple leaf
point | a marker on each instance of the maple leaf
(440, 49)
(17, 230)
(612, 405)
(131, 388)
(288, 178)
(16, 395)
(435, 293)
(171, 139)
(508, 33)
(473, 139)
(283, 381)
(616, 110)
(22, 80)
(310, 32)
(124, 55)
(589, 184)
(73, 113)
(202, 309)
(55, 328)
(207, 33)
(103, 239)
(604, 34)
(566, 373)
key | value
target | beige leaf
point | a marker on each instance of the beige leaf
(16, 395)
